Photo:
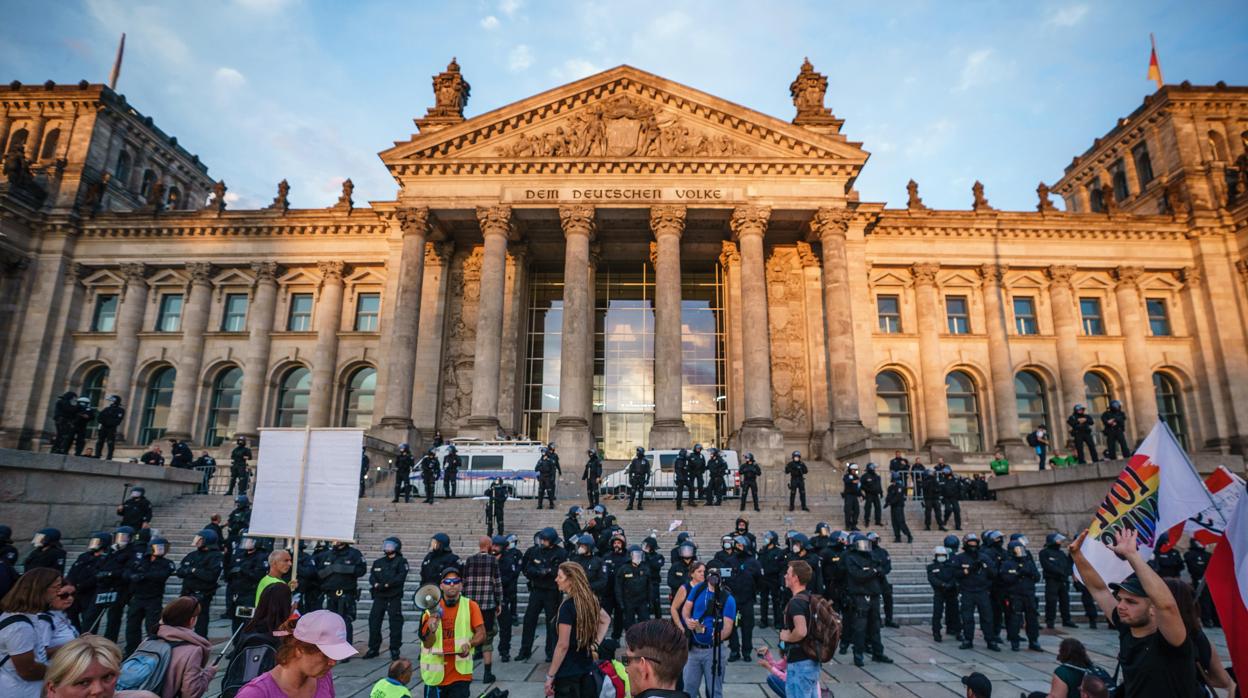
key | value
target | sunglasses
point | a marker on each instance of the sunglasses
(65, 595)
(452, 582)
(630, 658)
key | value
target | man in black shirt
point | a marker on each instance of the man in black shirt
(1158, 657)
(802, 670)
(592, 476)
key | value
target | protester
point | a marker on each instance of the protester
(778, 674)
(483, 583)
(311, 646)
(695, 575)
(1073, 664)
(87, 667)
(394, 683)
(657, 652)
(23, 637)
(1212, 673)
(279, 566)
(581, 625)
(273, 609)
(803, 670)
(189, 671)
(999, 464)
(977, 685)
(446, 657)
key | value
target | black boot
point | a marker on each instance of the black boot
(858, 660)
(882, 659)
(372, 654)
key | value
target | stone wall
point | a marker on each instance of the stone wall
(77, 495)
(1066, 498)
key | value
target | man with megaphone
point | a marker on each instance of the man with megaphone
(449, 629)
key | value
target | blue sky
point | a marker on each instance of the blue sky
(945, 93)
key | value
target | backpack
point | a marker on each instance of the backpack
(607, 680)
(823, 632)
(145, 669)
(1033, 440)
(15, 618)
(246, 664)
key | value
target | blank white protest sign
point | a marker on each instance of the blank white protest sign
(331, 485)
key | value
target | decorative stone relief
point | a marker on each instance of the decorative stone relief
(265, 271)
(461, 337)
(200, 272)
(789, 363)
(577, 219)
(331, 271)
(808, 91)
(668, 219)
(1128, 276)
(281, 202)
(925, 273)
(217, 204)
(729, 254)
(750, 220)
(413, 220)
(1061, 274)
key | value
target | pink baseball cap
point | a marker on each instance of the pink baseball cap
(327, 631)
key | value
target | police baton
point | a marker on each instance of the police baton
(227, 646)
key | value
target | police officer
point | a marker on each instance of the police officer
(553, 453)
(895, 502)
(993, 545)
(796, 470)
(111, 590)
(744, 582)
(136, 510)
(450, 473)
(403, 464)
(146, 577)
(851, 492)
(638, 477)
(974, 572)
(723, 561)
(495, 506)
(430, 471)
(1080, 424)
(82, 420)
(683, 556)
(1114, 423)
(47, 552)
(799, 549)
(385, 582)
(586, 556)
(885, 564)
(364, 463)
(63, 413)
(180, 455)
(240, 519)
(439, 557)
(931, 501)
(750, 472)
(8, 552)
(1197, 560)
(864, 578)
(311, 598)
(207, 467)
(109, 419)
(248, 564)
(717, 487)
(950, 499)
(1056, 566)
(742, 528)
(239, 474)
(199, 572)
(632, 588)
(872, 491)
(508, 557)
(940, 575)
(682, 478)
(1019, 575)
(697, 470)
(655, 561)
(82, 575)
(771, 559)
(540, 564)
(822, 537)
(832, 562)
(572, 527)
(547, 468)
(616, 558)
(340, 570)
(592, 476)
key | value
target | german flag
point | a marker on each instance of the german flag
(1154, 66)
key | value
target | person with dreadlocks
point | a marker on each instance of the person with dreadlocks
(581, 625)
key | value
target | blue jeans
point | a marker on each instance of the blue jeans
(697, 673)
(802, 679)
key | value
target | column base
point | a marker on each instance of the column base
(480, 427)
(668, 434)
(843, 439)
(1016, 451)
(942, 448)
(397, 430)
(571, 437)
(763, 439)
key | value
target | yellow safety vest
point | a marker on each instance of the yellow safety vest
(386, 688)
(433, 666)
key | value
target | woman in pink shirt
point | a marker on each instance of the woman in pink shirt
(311, 646)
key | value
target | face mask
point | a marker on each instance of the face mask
(636, 557)
(941, 558)
(727, 545)
(797, 548)
(37, 541)
(96, 544)
(1020, 552)
(136, 494)
(388, 547)
(686, 551)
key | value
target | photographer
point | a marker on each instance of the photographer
(708, 614)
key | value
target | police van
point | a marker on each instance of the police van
(483, 461)
(662, 483)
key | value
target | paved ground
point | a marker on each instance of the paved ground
(923, 667)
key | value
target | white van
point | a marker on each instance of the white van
(483, 461)
(663, 479)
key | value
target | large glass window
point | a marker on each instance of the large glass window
(963, 404)
(1098, 392)
(105, 318)
(367, 312)
(543, 347)
(300, 319)
(1025, 315)
(1170, 406)
(1033, 405)
(234, 319)
(1158, 318)
(623, 358)
(292, 398)
(892, 406)
(703, 395)
(958, 316)
(358, 407)
(1093, 320)
(170, 317)
(227, 394)
(888, 308)
(156, 405)
(93, 387)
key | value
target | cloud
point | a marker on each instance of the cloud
(574, 69)
(976, 70)
(510, 7)
(1068, 16)
(520, 59)
(226, 78)
(490, 23)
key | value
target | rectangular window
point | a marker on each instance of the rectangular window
(889, 310)
(300, 319)
(959, 317)
(1025, 316)
(1158, 318)
(367, 311)
(1118, 176)
(1096, 198)
(105, 318)
(170, 319)
(1093, 322)
(234, 319)
(1143, 165)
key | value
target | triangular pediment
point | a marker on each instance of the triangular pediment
(625, 115)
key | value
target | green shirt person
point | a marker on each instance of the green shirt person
(999, 465)
(1060, 461)
(279, 567)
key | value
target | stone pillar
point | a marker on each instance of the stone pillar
(1066, 327)
(1134, 336)
(829, 227)
(758, 431)
(325, 356)
(932, 390)
(35, 137)
(571, 430)
(496, 228)
(427, 388)
(1004, 398)
(260, 318)
(190, 352)
(1213, 395)
(126, 345)
(5, 124)
(401, 352)
(734, 344)
(669, 429)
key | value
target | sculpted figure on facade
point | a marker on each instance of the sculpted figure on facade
(450, 92)
(281, 202)
(914, 203)
(787, 318)
(345, 202)
(217, 203)
(1044, 203)
(729, 254)
(808, 91)
(980, 203)
(1108, 201)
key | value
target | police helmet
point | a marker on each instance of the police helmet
(451, 448)
(743, 520)
(430, 452)
(697, 447)
(898, 476)
(687, 550)
(542, 450)
(993, 537)
(798, 542)
(599, 509)
(749, 456)
(853, 466)
(1020, 537)
(1056, 538)
(742, 541)
(575, 511)
(822, 528)
(247, 542)
(970, 542)
(840, 538)
(551, 445)
(548, 535)
(636, 555)
(158, 547)
(585, 539)
(499, 542)
(404, 447)
(84, 400)
(726, 542)
(242, 499)
(951, 542)
(1079, 406)
(590, 452)
(873, 537)
(860, 542)
(1017, 549)
(206, 538)
(770, 538)
(641, 451)
(98, 540)
(940, 553)
(439, 541)
(138, 491)
(46, 536)
(713, 451)
(115, 399)
(1115, 405)
(393, 545)
(512, 539)
(122, 536)
(796, 455)
(788, 536)
(683, 452)
(650, 544)
(683, 536)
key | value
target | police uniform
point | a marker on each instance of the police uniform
(310, 597)
(509, 573)
(1019, 576)
(895, 502)
(82, 575)
(864, 576)
(385, 582)
(238, 467)
(885, 565)
(403, 464)
(1056, 566)
(1197, 560)
(1114, 422)
(851, 492)
(450, 474)
(246, 569)
(940, 575)
(974, 572)
(439, 557)
(616, 558)
(135, 512)
(495, 507)
(199, 572)
(571, 528)
(654, 559)
(592, 477)
(146, 577)
(51, 556)
(931, 502)
(994, 547)
(638, 477)
(872, 490)
(547, 468)
(340, 570)
(746, 578)
(429, 472)
(716, 488)
(540, 564)
(632, 589)
(112, 589)
(1080, 424)
(682, 478)
(697, 470)
(750, 472)
(109, 419)
(796, 470)
(239, 521)
(771, 558)
(950, 496)
(1169, 563)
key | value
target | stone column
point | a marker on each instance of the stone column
(931, 317)
(1005, 400)
(1139, 371)
(496, 228)
(669, 429)
(190, 352)
(571, 430)
(1213, 396)
(260, 318)
(829, 227)
(405, 323)
(734, 344)
(325, 356)
(758, 431)
(1066, 327)
(35, 137)
(126, 345)
(5, 124)
(427, 388)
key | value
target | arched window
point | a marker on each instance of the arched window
(49, 144)
(1098, 392)
(1170, 405)
(1033, 405)
(963, 406)
(121, 173)
(17, 142)
(93, 386)
(357, 410)
(292, 398)
(149, 181)
(892, 404)
(227, 394)
(156, 405)
(174, 199)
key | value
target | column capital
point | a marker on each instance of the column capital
(331, 271)
(496, 220)
(728, 253)
(1128, 277)
(667, 219)
(1061, 275)
(439, 252)
(750, 220)
(75, 272)
(993, 274)
(266, 272)
(413, 220)
(925, 273)
(577, 219)
(134, 271)
(1192, 275)
(830, 221)
(200, 272)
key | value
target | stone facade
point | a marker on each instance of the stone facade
(411, 315)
